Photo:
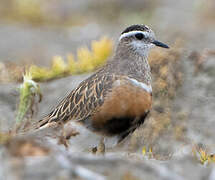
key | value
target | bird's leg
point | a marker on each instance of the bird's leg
(101, 146)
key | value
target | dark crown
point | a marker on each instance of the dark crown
(135, 28)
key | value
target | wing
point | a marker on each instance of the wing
(82, 101)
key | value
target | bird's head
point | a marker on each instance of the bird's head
(140, 39)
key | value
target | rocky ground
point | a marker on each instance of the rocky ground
(166, 147)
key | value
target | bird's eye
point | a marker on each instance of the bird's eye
(139, 36)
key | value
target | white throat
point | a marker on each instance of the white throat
(141, 48)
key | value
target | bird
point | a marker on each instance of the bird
(117, 98)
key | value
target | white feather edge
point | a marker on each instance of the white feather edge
(147, 88)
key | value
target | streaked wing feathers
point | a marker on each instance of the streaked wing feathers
(82, 101)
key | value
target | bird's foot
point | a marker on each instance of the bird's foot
(100, 149)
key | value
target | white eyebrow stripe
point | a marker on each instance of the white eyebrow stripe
(147, 88)
(131, 33)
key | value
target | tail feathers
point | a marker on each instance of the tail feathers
(45, 123)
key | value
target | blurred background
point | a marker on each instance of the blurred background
(34, 31)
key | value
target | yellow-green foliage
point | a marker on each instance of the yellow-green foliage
(28, 8)
(202, 155)
(4, 137)
(148, 153)
(28, 90)
(87, 61)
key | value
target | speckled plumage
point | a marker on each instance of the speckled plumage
(108, 102)
(136, 27)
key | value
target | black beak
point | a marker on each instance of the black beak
(160, 44)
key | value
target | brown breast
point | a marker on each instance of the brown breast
(124, 102)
